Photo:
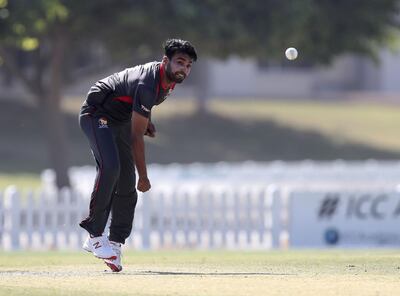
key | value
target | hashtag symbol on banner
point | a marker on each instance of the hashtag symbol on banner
(328, 206)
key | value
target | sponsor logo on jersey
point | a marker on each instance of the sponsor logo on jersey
(103, 123)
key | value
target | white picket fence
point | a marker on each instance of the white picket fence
(346, 174)
(188, 216)
(187, 208)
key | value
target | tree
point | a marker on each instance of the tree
(50, 33)
(322, 29)
(53, 32)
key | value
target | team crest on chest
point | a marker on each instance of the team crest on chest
(103, 123)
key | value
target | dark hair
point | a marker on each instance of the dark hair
(173, 46)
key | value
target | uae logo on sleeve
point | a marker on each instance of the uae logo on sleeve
(103, 123)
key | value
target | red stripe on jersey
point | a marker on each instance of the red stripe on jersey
(161, 84)
(124, 99)
(162, 74)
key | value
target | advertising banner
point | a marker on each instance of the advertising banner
(344, 219)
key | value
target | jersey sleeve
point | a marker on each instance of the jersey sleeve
(100, 91)
(144, 100)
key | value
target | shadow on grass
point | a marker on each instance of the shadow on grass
(183, 139)
(38, 273)
(211, 138)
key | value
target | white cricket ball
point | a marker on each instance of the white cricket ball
(291, 53)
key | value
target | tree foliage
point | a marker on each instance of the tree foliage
(51, 34)
(321, 29)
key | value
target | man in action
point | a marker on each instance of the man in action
(115, 117)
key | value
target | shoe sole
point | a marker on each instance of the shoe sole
(87, 250)
(108, 258)
(113, 267)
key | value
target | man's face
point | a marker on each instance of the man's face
(178, 68)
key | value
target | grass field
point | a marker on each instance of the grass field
(234, 130)
(371, 123)
(23, 181)
(195, 273)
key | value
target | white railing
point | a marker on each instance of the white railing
(188, 208)
(188, 216)
(346, 174)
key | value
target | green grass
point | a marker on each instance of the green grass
(376, 125)
(194, 273)
(22, 181)
(235, 130)
(372, 123)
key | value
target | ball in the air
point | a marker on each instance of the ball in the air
(291, 53)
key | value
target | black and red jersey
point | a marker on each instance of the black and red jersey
(134, 89)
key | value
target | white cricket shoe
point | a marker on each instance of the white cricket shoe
(115, 264)
(99, 246)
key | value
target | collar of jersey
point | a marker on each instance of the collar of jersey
(162, 73)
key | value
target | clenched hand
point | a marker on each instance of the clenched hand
(151, 130)
(143, 184)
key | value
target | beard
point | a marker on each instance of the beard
(176, 77)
